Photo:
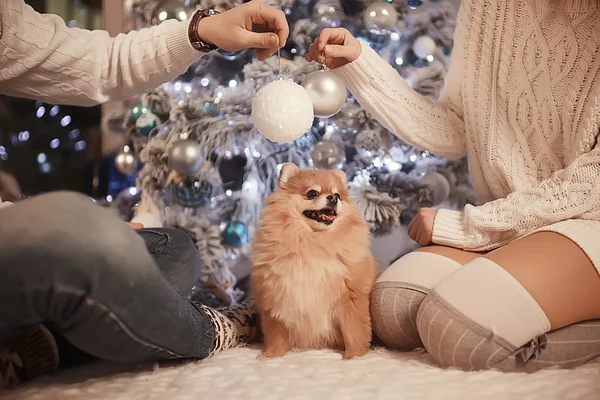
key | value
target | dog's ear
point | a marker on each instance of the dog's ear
(341, 175)
(287, 171)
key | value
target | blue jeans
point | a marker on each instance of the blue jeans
(114, 293)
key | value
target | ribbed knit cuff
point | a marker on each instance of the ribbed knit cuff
(178, 43)
(449, 228)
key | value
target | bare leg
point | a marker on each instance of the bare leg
(557, 273)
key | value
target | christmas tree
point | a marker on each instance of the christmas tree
(205, 168)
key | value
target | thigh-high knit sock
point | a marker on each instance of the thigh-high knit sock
(481, 317)
(398, 293)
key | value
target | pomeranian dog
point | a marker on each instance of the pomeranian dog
(312, 268)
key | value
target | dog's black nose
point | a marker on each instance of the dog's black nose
(332, 199)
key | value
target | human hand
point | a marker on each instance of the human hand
(421, 227)
(250, 25)
(335, 47)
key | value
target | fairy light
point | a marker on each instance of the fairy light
(41, 111)
(54, 110)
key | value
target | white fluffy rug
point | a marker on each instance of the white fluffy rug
(237, 374)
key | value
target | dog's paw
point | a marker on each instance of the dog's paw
(267, 354)
(357, 352)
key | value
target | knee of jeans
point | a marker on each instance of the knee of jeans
(64, 234)
(393, 313)
(182, 254)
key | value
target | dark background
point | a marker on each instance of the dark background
(29, 149)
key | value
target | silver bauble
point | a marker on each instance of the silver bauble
(327, 92)
(171, 9)
(185, 157)
(328, 13)
(380, 15)
(439, 185)
(328, 155)
(126, 161)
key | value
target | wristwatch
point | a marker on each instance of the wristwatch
(195, 40)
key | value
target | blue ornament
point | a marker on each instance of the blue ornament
(146, 123)
(137, 111)
(210, 108)
(414, 3)
(192, 192)
(236, 233)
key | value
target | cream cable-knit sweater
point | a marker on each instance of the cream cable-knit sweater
(522, 100)
(42, 58)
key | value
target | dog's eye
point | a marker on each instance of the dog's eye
(312, 194)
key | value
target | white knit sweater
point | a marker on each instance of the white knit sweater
(522, 100)
(42, 58)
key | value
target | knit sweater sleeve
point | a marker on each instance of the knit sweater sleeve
(42, 58)
(570, 193)
(435, 126)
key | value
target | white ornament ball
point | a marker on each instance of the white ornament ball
(282, 111)
(424, 46)
(327, 92)
(380, 15)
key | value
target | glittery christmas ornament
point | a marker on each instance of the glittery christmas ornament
(380, 15)
(192, 192)
(146, 123)
(282, 111)
(424, 46)
(185, 157)
(328, 155)
(327, 92)
(236, 233)
(126, 161)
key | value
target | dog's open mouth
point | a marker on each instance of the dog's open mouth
(325, 216)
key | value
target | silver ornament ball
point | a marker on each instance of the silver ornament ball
(380, 15)
(172, 9)
(185, 157)
(439, 185)
(126, 161)
(327, 92)
(328, 155)
(328, 13)
(424, 46)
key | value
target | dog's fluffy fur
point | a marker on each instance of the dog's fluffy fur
(313, 271)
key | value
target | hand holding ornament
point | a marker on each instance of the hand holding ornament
(250, 25)
(334, 47)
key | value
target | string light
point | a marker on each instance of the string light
(412, 158)
(55, 143)
(66, 120)
(24, 136)
(54, 110)
(204, 82)
(430, 58)
(46, 168)
(40, 112)
(41, 158)
(80, 145)
(74, 134)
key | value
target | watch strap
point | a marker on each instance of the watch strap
(195, 40)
